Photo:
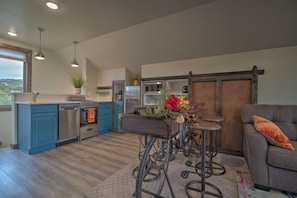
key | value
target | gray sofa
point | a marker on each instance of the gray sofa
(271, 166)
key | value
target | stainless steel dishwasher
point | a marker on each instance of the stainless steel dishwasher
(68, 123)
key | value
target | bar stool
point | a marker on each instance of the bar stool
(192, 185)
(214, 168)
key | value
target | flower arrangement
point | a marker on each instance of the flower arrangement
(181, 105)
(173, 107)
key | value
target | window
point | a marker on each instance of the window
(15, 73)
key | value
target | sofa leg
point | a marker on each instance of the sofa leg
(261, 187)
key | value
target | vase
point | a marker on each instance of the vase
(135, 82)
(77, 90)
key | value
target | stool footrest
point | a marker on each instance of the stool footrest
(212, 168)
(210, 189)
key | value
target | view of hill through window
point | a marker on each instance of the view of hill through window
(11, 79)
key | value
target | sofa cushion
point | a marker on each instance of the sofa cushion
(282, 158)
(272, 132)
(284, 116)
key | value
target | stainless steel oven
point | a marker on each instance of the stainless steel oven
(88, 119)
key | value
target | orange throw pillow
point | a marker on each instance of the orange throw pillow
(272, 132)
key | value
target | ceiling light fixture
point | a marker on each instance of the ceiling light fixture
(12, 33)
(74, 62)
(52, 5)
(39, 55)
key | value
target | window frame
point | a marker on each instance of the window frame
(27, 72)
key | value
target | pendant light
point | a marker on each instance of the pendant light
(74, 62)
(39, 55)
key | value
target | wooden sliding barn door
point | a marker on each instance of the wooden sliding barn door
(223, 95)
(234, 94)
(205, 92)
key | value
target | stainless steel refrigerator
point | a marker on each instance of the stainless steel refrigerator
(132, 98)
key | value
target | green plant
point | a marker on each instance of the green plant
(77, 80)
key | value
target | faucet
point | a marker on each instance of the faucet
(35, 94)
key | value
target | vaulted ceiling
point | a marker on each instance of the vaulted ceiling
(131, 33)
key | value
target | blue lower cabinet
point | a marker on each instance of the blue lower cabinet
(104, 117)
(104, 126)
(37, 127)
(117, 111)
(118, 108)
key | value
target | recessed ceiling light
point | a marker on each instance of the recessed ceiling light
(12, 33)
(52, 5)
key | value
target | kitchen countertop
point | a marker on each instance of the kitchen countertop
(46, 102)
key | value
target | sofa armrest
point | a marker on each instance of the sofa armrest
(255, 150)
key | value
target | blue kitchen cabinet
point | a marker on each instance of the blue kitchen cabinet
(118, 108)
(37, 127)
(104, 117)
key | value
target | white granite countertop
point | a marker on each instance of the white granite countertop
(46, 102)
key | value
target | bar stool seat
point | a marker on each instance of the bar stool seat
(204, 187)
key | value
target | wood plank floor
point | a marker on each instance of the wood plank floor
(66, 171)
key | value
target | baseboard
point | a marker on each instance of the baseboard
(261, 187)
(230, 152)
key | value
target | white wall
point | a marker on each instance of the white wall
(276, 86)
(51, 75)
(5, 131)
(105, 77)
(91, 81)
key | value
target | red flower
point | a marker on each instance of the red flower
(172, 102)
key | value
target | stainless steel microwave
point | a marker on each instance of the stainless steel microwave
(153, 87)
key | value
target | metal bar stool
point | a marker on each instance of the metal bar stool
(214, 168)
(206, 187)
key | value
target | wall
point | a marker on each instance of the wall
(5, 131)
(276, 86)
(105, 77)
(51, 75)
(91, 76)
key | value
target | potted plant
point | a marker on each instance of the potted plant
(135, 79)
(77, 81)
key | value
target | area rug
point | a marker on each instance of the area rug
(246, 188)
(122, 183)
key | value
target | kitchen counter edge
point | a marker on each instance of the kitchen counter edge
(47, 102)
